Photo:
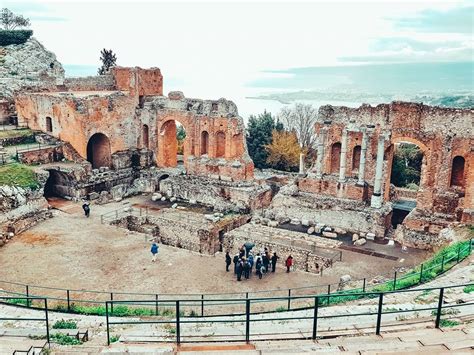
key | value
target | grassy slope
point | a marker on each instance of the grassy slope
(18, 175)
(14, 133)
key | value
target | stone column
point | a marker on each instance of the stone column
(376, 200)
(301, 163)
(319, 158)
(363, 153)
(343, 157)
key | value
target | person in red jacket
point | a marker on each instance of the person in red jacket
(289, 263)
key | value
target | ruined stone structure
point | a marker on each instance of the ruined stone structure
(354, 160)
(105, 115)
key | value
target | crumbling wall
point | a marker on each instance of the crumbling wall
(90, 83)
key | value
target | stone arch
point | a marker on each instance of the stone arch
(168, 144)
(335, 157)
(457, 171)
(356, 158)
(237, 146)
(98, 150)
(220, 144)
(49, 124)
(145, 137)
(204, 143)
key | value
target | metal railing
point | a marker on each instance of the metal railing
(179, 320)
(75, 300)
(40, 303)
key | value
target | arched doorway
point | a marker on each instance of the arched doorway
(335, 157)
(98, 151)
(49, 124)
(204, 143)
(173, 144)
(457, 172)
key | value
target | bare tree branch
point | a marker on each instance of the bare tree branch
(301, 119)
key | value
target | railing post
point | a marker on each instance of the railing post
(202, 305)
(442, 264)
(28, 302)
(379, 314)
(178, 330)
(47, 318)
(395, 281)
(315, 317)
(440, 307)
(289, 298)
(247, 321)
(329, 292)
(112, 302)
(363, 286)
(459, 254)
(340, 255)
(156, 304)
(107, 321)
(68, 302)
(421, 274)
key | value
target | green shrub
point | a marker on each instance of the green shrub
(65, 324)
(63, 339)
(281, 309)
(20, 301)
(448, 323)
(468, 289)
(8, 37)
(18, 175)
(114, 338)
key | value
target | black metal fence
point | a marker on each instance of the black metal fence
(179, 321)
(40, 303)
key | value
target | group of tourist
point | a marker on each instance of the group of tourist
(245, 260)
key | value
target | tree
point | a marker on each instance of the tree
(284, 151)
(10, 21)
(180, 136)
(301, 119)
(108, 59)
(406, 165)
(259, 134)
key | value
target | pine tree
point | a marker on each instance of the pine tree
(108, 59)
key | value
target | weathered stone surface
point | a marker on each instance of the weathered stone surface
(355, 237)
(310, 230)
(360, 242)
(370, 236)
(273, 224)
(330, 234)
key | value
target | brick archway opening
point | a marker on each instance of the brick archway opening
(204, 143)
(220, 144)
(335, 157)
(98, 151)
(173, 143)
(457, 172)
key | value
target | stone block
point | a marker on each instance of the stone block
(295, 221)
(273, 224)
(327, 229)
(370, 236)
(174, 205)
(329, 234)
(355, 237)
(360, 242)
(340, 230)
(310, 230)
(173, 199)
(93, 196)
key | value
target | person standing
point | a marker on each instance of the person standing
(258, 267)
(289, 263)
(240, 269)
(87, 209)
(274, 261)
(265, 261)
(228, 261)
(251, 263)
(246, 269)
(154, 251)
(235, 260)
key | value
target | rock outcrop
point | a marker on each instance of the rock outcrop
(28, 66)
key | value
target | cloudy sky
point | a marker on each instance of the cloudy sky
(215, 49)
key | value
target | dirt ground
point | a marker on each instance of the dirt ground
(70, 251)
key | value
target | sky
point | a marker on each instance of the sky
(230, 49)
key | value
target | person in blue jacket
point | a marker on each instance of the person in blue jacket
(154, 251)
